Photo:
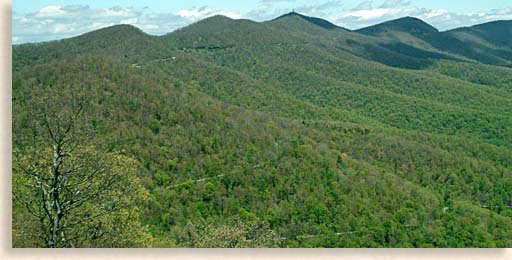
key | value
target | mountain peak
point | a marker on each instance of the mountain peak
(213, 21)
(119, 30)
(409, 19)
(218, 17)
(125, 27)
(314, 20)
(406, 24)
(292, 13)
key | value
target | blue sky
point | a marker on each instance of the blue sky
(43, 20)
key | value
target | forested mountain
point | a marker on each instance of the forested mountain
(314, 20)
(487, 43)
(292, 132)
(411, 25)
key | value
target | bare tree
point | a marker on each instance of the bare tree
(63, 181)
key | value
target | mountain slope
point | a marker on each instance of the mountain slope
(411, 25)
(485, 43)
(497, 33)
(302, 67)
(124, 41)
(221, 138)
(314, 20)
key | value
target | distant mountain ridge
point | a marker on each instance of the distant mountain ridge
(407, 24)
(489, 43)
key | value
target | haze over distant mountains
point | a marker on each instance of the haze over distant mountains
(487, 43)
(294, 130)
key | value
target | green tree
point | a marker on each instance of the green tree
(234, 233)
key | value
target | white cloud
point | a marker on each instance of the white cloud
(434, 13)
(363, 6)
(320, 10)
(62, 28)
(203, 12)
(371, 14)
(56, 22)
(394, 3)
(49, 12)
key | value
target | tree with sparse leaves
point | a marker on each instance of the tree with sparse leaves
(78, 195)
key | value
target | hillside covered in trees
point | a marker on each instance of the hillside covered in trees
(292, 132)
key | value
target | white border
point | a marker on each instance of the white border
(212, 254)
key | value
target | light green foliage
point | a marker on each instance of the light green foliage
(111, 219)
(235, 233)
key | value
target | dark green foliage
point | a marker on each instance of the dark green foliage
(410, 25)
(317, 21)
(487, 43)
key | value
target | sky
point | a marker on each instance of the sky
(44, 20)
